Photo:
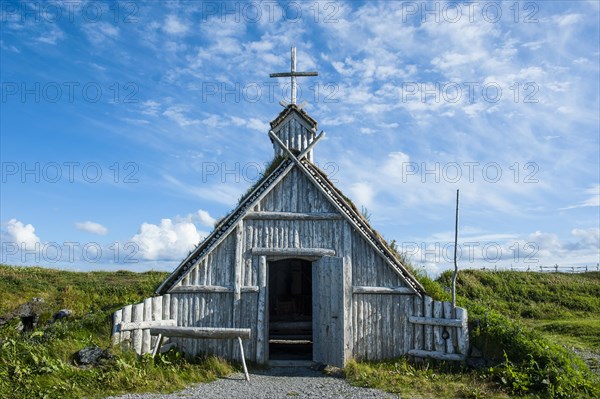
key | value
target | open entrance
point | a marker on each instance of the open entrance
(290, 310)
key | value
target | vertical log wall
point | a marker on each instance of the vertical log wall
(225, 287)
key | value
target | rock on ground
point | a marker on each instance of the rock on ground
(91, 356)
(277, 382)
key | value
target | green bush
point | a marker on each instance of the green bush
(529, 363)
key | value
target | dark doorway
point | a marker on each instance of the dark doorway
(290, 310)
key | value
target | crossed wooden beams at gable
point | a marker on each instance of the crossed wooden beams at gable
(323, 185)
(342, 207)
(230, 221)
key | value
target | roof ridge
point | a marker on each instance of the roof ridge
(221, 228)
(228, 222)
(288, 110)
(369, 230)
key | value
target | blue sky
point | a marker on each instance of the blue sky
(128, 128)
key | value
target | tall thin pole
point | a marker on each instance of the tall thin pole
(293, 74)
(455, 250)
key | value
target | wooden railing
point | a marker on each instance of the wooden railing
(543, 269)
(131, 325)
(439, 330)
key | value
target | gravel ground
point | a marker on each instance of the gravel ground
(592, 359)
(277, 382)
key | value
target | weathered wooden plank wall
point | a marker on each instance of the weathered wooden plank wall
(216, 269)
(295, 193)
(381, 328)
(224, 287)
(294, 134)
(204, 310)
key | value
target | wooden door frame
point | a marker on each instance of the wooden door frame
(312, 255)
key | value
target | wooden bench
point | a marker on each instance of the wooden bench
(203, 332)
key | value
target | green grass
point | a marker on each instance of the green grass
(423, 381)
(81, 292)
(40, 364)
(526, 323)
(564, 308)
(531, 295)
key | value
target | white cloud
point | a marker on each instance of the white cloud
(587, 238)
(592, 200)
(505, 250)
(566, 20)
(201, 216)
(594, 193)
(367, 130)
(219, 192)
(362, 193)
(51, 37)
(167, 240)
(91, 227)
(251, 123)
(150, 107)
(175, 26)
(99, 32)
(205, 219)
(395, 165)
(176, 113)
(258, 125)
(12, 48)
(392, 125)
(22, 234)
(338, 120)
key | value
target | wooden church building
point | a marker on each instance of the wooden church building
(300, 272)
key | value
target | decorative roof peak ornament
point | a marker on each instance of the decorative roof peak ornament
(292, 74)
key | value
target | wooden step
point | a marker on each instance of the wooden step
(290, 341)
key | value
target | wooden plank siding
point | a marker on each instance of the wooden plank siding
(368, 269)
(225, 286)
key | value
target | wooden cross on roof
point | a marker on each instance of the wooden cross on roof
(293, 74)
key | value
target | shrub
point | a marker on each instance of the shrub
(527, 362)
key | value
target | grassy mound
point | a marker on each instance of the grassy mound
(40, 364)
(525, 324)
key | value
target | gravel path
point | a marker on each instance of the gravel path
(277, 382)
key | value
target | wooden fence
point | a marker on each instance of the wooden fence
(544, 269)
(131, 325)
(439, 331)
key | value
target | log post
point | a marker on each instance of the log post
(418, 329)
(243, 358)
(116, 333)
(261, 328)
(146, 343)
(137, 316)
(428, 329)
(463, 332)
(238, 264)
(126, 336)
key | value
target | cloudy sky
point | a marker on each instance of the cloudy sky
(128, 128)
